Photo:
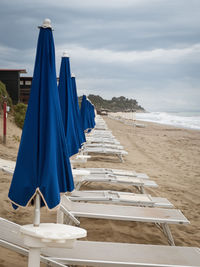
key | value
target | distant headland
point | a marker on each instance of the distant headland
(116, 104)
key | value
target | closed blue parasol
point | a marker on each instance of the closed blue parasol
(43, 162)
(77, 110)
(84, 113)
(73, 138)
(91, 115)
(87, 114)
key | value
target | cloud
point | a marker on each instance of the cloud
(14, 58)
(145, 49)
(135, 57)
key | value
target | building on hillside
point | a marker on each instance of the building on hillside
(18, 87)
(11, 78)
(25, 88)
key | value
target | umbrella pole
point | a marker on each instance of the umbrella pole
(36, 222)
(34, 250)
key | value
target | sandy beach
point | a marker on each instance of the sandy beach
(169, 155)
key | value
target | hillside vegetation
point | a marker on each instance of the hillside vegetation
(18, 111)
(4, 96)
(116, 104)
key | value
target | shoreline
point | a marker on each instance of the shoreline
(162, 118)
(168, 125)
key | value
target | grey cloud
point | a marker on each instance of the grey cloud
(93, 30)
(124, 27)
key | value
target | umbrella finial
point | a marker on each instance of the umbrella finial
(73, 75)
(46, 24)
(65, 54)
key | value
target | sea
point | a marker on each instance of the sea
(188, 120)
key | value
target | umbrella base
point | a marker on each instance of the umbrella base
(51, 235)
(48, 235)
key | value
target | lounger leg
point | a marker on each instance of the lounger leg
(78, 185)
(60, 217)
(121, 158)
(68, 221)
(141, 189)
(168, 234)
(34, 257)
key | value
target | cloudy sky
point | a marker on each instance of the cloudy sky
(143, 49)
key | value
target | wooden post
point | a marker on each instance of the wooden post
(4, 121)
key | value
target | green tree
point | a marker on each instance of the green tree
(19, 114)
(4, 95)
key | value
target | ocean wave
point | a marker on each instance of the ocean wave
(178, 119)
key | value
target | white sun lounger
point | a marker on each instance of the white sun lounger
(117, 172)
(138, 182)
(102, 134)
(101, 126)
(104, 150)
(99, 144)
(102, 140)
(116, 197)
(103, 254)
(7, 165)
(159, 216)
(102, 172)
(101, 131)
(80, 159)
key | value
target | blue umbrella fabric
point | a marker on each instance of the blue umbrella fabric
(77, 110)
(91, 114)
(43, 162)
(84, 113)
(87, 114)
(72, 134)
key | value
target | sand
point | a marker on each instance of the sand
(169, 155)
